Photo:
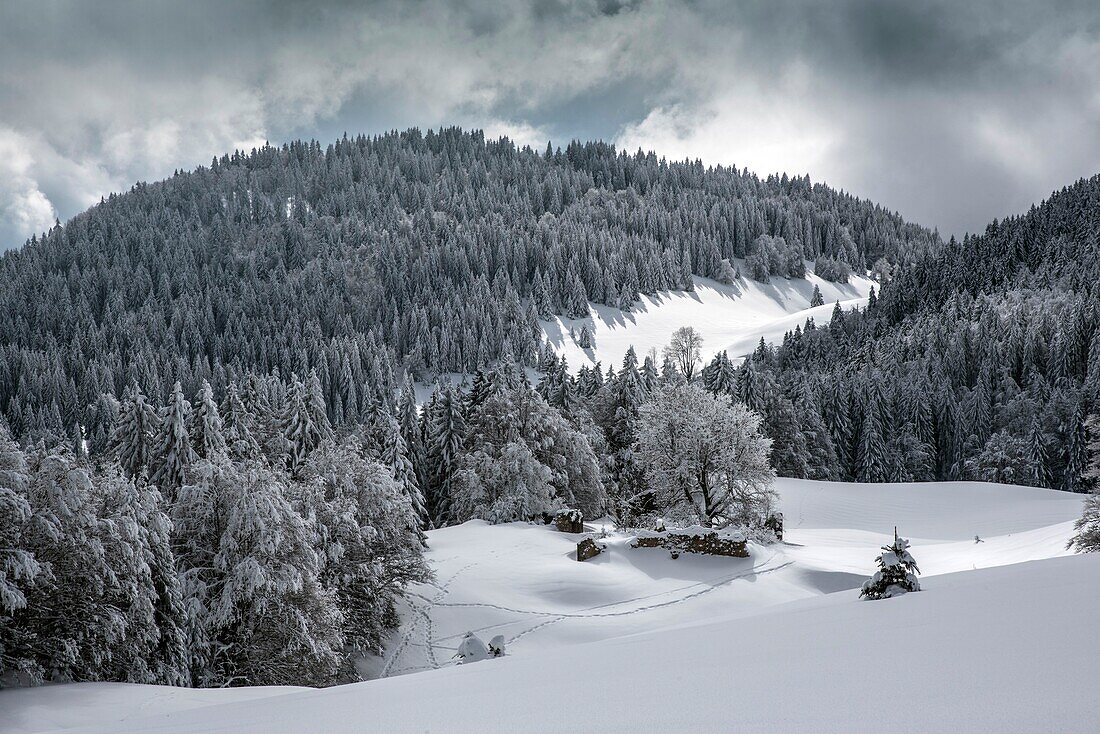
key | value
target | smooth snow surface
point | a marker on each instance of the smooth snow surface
(728, 317)
(59, 707)
(635, 641)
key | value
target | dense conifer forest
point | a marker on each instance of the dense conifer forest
(979, 360)
(426, 252)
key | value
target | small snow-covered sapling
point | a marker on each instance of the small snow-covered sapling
(897, 572)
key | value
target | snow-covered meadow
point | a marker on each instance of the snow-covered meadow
(636, 641)
(732, 318)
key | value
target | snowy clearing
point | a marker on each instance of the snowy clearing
(707, 643)
(729, 317)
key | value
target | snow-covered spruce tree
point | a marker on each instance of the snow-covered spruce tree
(615, 409)
(397, 458)
(304, 422)
(266, 401)
(751, 388)
(205, 427)
(271, 622)
(172, 452)
(871, 456)
(705, 457)
(821, 458)
(1086, 538)
(585, 341)
(134, 431)
(315, 405)
(648, 373)
(198, 519)
(382, 440)
(20, 570)
(816, 299)
(1037, 474)
(720, 376)
(154, 649)
(897, 572)
(74, 619)
(835, 413)
(237, 426)
(408, 420)
(1074, 476)
(101, 423)
(368, 535)
(446, 427)
(790, 454)
(374, 434)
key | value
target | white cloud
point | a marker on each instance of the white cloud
(23, 206)
(778, 128)
(520, 133)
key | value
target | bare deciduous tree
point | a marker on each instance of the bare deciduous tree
(684, 349)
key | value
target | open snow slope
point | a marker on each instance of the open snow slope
(830, 526)
(996, 650)
(514, 580)
(690, 641)
(61, 707)
(729, 317)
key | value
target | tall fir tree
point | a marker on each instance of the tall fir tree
(132, 440)
(172, 451)
(206, 428)
(446, 429)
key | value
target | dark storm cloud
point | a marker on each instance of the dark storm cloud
(952, 113)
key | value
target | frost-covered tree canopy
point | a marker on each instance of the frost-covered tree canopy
(705, 457)
(523, 458)
(244, 574)
(367, 534)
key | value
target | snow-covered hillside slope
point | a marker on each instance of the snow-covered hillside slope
(996, 650)
(513, 580)
(732, 318)
(729, 317)
(717, 644)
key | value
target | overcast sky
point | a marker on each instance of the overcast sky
(952, 113)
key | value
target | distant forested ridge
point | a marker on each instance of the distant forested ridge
(419, 252)
(979, 360)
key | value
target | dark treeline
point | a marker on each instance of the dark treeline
(980, 360)
(429, 252)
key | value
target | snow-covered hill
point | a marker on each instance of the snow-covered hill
(636, 641)
(729, 317)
